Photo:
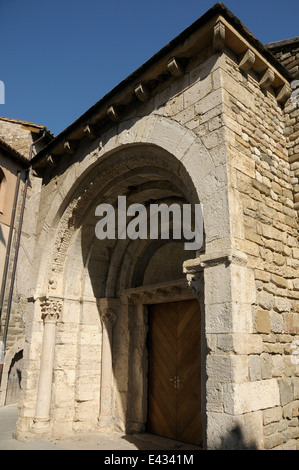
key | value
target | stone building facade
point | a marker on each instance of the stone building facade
(211, 119)
(19, 199)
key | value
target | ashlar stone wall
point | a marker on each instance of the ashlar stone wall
(262, 183)
(228, 135)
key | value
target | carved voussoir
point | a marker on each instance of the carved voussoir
(219, 37)
(267, 78)
(142, 92)
(175, 67)
(246, 60)
(283, 93)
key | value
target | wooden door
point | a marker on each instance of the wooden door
(174, 405)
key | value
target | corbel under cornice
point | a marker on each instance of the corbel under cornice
(220, 33)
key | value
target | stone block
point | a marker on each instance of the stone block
(266, 365)
(278, 368)
(241, 343)
(238, 91)
(273, 441)
(272, 415)
(209, 102)
(262, 321)
(295, 387)
(277, 322)
(282, 304)
(251, 396)
(285, 390)
(227, 368)
(291, 323)
(265, 300)
(254, 365)
(215, 395)
(218, 318)
(198, 91)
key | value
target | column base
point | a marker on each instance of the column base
(41, 425)
(104, 422)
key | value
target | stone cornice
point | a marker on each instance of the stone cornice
(230, 256)
(215, 31)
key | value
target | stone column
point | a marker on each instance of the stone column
(50, 309)
(108, 318)
(137, 398)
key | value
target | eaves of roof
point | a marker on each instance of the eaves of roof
(29, 125)
(14, 153)
(284, 43)
(131, 80)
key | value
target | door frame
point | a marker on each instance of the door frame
(138, 299)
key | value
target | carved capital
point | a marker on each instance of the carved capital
(108, 307)
(109, 317)
(50, 309)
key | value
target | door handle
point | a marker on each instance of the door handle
(176, 382)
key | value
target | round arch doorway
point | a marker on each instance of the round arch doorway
(108, 284)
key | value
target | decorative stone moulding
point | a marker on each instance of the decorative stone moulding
(218, 33)
(159, 292)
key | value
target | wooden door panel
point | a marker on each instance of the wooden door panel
(189, 370)
(175, 351)
(162, 366)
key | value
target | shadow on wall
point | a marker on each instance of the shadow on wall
(235, 440)
(2, 239)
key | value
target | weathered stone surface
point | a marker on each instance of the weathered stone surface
(205, 132)
(251, 396)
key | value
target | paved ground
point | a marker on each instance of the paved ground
(86, 441)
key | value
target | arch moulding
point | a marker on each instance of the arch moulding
(77, 185)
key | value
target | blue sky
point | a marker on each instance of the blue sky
(60, 57)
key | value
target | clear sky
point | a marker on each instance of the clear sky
(59, 57)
